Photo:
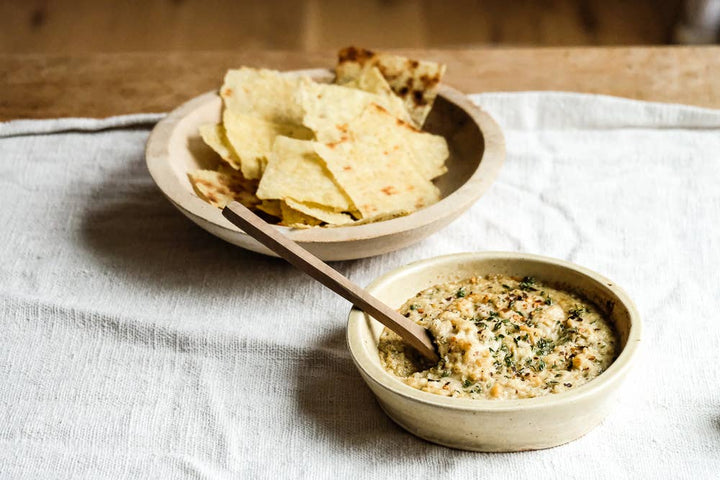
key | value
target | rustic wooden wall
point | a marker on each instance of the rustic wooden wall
(87, 26)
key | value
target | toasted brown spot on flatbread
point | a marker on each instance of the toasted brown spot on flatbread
(405, 76)
(223, 186)
(419, 98)
(429, 81)
(354, 54)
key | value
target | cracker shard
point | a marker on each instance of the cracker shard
(214, 136)
(221, 187)
(415, 81)
(265, 94)
(295, 218)
(252, 138)
(376, 168)
(295, 171)
(320, 212)
(429, 152)
(326, 106)
(372, 81)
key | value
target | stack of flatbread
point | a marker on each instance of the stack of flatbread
(316, 154)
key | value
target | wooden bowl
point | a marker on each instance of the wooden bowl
(496, 425)
(477, 151)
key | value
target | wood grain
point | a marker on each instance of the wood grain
(100, 85)
(89, 26)
(412, 333)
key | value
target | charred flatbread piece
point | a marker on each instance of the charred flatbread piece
(295, 171)
(221, 187)
(415, 81)
(377, 171)
(214, 136)
(265, 94)
(271, 207)
(325, 106)
(252, 139)
(320, 212)
(297, 219)
(371, 80)
(429, 151)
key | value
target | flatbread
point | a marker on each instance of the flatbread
(377, 170)
(317, 154)
(326, 106)
(295, 171)
(214, 136)
(221, 187)
(368, 79)
(429, 152)
(252, 139)
(320, 212)
(296, 219)
(271, 207)
(372, 81)
(416, 82)
(265, 94)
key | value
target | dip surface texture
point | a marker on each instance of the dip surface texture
(502, 337)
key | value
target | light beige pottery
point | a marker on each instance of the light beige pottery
(495, 425)
(477, 151)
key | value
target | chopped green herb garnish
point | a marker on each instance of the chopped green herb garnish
(509, 360)
(566, 334)
(543, 346)
(460, 293)
(527, 284)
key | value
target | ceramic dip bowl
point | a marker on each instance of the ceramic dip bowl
(495, 425)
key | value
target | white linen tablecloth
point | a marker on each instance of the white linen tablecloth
(135, 345)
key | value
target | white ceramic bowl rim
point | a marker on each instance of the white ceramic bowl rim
(386, 380)
(164, 176)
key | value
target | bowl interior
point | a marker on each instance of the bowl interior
(187, 149)
(188, 152)
(399, 285)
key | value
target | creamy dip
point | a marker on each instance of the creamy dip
(502, 337)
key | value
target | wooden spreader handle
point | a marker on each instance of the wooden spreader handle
(412, 333)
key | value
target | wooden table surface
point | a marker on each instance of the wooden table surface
(100, 85)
